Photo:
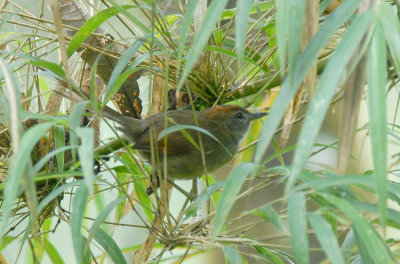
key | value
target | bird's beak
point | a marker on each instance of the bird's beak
(254, 116)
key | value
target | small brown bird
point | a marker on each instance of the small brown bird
(227, 123)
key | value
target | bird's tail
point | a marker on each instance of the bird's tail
(131, 127)
(113, 115)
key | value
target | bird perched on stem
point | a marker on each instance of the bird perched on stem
(221, 129)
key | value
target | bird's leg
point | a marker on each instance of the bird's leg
(155, 182)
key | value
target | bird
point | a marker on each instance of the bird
(222, 129)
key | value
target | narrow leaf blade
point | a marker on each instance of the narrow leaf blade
(326, 238)
(298, 226)
(377, 115)
(231, 189)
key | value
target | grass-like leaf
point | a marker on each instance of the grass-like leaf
(100, 219)
(59, 138)
(48, 65)
(242, 15)
(348, 244)
(111, 88)
(282, 29)
(391, 27)
(232, 255)
(52, 252)
(78, 212)
(268, 254)
(38, 166)
(184, 29)
(207, 27)
(55, 193)
(17, 167)
(86, 157)
(298, 226)
(295, 17)
(109, 246)
(326, 238)
(325, 90)
(91, 25)
(288, 89)
(269, 214)
(367, 237)
(182, 129)
(377, 115)
(131, 16)
(230, 191)
(201, 200)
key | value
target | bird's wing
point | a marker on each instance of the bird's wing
(178, 142)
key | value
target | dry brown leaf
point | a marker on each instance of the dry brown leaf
(332, 7)
(290, 117)
(310, 27)
(2, 259)
(353, 91)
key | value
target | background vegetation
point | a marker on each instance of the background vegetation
(302, 60)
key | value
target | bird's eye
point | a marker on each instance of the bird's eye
(239, 115)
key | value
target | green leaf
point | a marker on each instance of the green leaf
(59, 142)
(207, 27)
(91, 25)
(6, 240)
(17, 166)
(132, 16)
(391, 27)
(132, 170)
(234, 55)
(211, 179)
(55, 193)
(201, 200)
(38, 166)
(109, 246)
(182, 129)
(335, 180)
(144, 200)
(184, 29)
(52, 252)
(268, 254)
(393, 216)
(269, 214)
(232, 255)
(100, 219)
(298, 226)
(85, 152)
(377, 115)
(291, 84)
(79, 203)
(218, 36)
(326, 238)
(282, 29)
(295, 17)
(51, 66)
(242, 15)
(230, 190)
(348, 245)
(368, 238)
(93, 89)
(125, 58)
(364, 254)
(325, 91)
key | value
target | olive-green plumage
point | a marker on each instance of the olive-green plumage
(227, 123)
